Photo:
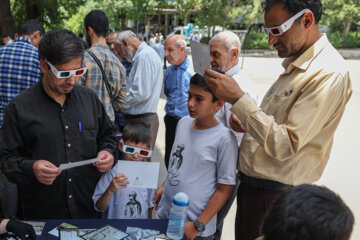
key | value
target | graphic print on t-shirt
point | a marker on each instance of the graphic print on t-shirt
(133, 207)
(175, 164)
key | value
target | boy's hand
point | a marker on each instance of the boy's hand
(105, 162)
(190, 231)
(158, 194)
(118, 182)
(236, 124)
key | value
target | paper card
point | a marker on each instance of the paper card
(107, 232)
(38, 226)
(55, 231)
(69, 234)
(140, 174)
(69, 165)
(200, 56)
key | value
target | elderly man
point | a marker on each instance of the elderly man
(144, 83)
(176, 87)
(289, 138)
(100, 60)
(224, 56)
(54, 122)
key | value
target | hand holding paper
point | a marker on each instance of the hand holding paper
(45, 172)
(119, 181)
(106, 161)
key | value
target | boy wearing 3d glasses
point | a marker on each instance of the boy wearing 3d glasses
(111, 194)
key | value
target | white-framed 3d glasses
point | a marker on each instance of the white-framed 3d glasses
(280, 30)
(67, 73)
(131, 150)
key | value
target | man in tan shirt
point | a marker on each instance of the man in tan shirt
(289, 137)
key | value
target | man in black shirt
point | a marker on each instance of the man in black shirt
(55, 122)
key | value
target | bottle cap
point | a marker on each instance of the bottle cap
(181, 199)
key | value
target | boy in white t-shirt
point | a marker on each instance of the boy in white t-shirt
(202, 163)
(111, 194)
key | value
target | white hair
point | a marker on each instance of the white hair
(124, 35)
(179, 40)
(230, 40)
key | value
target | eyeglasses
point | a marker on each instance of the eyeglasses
(65, 74)
(280, 30)
(140, 151)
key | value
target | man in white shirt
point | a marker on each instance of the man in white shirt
(144, 82)
(224, 57)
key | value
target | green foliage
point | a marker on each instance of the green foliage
(336, 12)
(352, 41)
(256, 40)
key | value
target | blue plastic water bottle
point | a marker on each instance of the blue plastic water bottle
(177, 219)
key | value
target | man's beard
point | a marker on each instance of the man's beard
(88, 39)
(128, 55)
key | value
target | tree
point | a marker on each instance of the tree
(7, 24)
(341, 14)
(184, 8)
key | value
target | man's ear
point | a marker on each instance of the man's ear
(308, 19)
(234, 53)
(125, 42)
(43, 66)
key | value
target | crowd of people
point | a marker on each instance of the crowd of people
(64, 99)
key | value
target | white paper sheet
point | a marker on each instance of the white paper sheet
(200, 56)
(65, 166)
(140, 174)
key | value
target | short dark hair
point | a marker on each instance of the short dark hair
(60, 46)
(137, 132)
(295, 6)
(199, 80)
(31, 26)
(308, 212)
(98, 21)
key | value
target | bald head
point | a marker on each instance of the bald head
(175, 49)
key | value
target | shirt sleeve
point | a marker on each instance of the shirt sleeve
(102, 185)
(151, 195)
(227, 159)
(119, 86)
(106, 135)
(14, 165)
(316, 104)
(143, 82)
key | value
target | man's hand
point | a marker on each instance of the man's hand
(158, 194)
(105, 162)
(236, 124)
(45, 172)
(118, 182)
(21, 230)
(190, 231)
(223, 86)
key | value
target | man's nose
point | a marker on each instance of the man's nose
(72, 79)
(272, 39)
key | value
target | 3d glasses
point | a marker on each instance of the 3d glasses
(67, 73)
(131, 150)
(280, 30)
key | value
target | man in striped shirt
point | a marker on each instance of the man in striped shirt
(19, 63)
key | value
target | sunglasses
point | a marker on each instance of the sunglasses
(280, 30)
(140, 151)
(67, 73)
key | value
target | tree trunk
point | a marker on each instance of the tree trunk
(347, 27)
(33, 11)
(7, 24)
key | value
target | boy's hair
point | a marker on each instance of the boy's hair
(137, 132)
(199, 80)
(308, 212)
(31, 26)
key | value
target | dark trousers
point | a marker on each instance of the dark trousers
(252, 205)
(170, 130)
(225, 209)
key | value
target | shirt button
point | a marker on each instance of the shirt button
(70, 196)
(66, 126)
(69, 145)
(62, 110)
(70, 179)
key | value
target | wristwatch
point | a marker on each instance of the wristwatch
(199, 225)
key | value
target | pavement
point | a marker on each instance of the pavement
(342, 171)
